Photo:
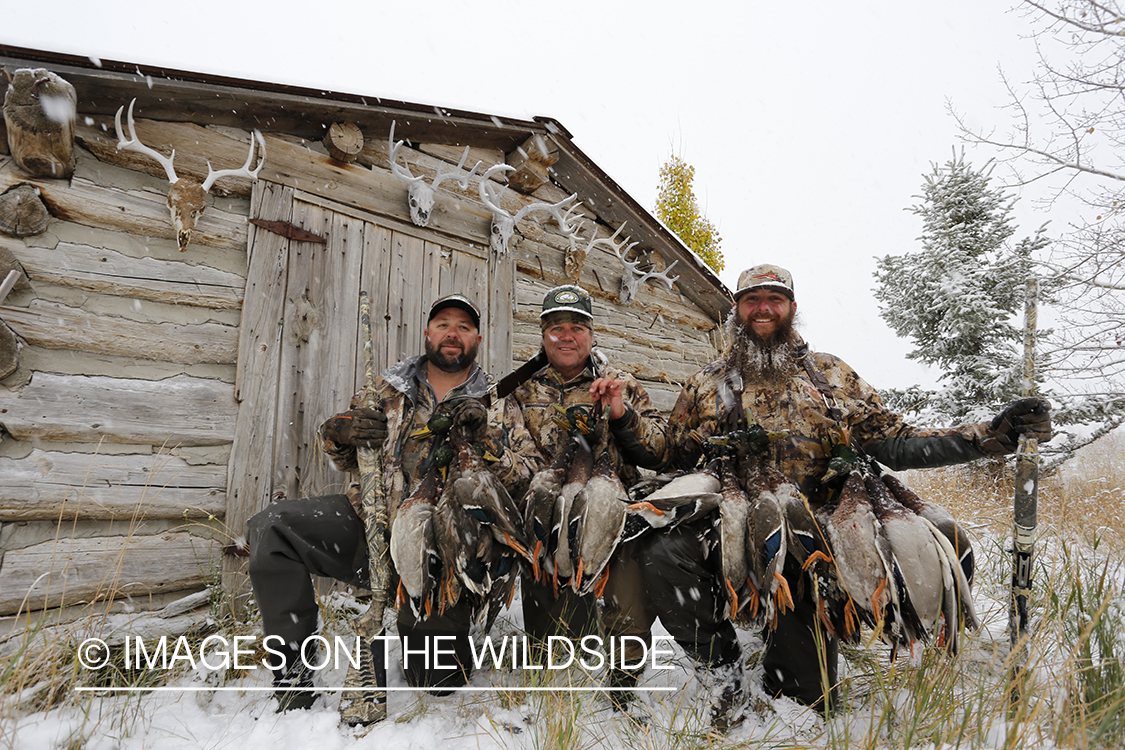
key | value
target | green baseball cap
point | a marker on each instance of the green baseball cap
(567, 298)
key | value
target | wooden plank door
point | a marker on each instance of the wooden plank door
(299, 344)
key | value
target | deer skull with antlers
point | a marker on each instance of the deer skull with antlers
(633, 277)
(187, 197)
(504, 223)
(419, 194)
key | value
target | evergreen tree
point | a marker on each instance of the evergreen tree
(958, 299)
(677, 208)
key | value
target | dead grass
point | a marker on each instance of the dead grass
(1087, 496)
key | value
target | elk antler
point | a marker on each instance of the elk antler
(504, 224)
(419, 194)
(633, 278)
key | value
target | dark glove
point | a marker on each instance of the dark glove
(361, 427)
(471, 418)
(1030, 417)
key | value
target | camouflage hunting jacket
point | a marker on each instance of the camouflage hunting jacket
(642, 427)
(797, 406)
(409, 401)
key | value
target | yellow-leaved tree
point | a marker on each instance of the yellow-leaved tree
(677, 208)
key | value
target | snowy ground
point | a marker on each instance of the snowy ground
(203, 718)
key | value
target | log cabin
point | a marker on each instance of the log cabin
(153, 398)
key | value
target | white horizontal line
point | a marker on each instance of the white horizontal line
(87, 689)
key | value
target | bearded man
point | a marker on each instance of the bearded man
(769, 374)
(324, 536)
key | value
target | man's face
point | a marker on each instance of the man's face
(567, 346)
(765, 312)
(451, 340)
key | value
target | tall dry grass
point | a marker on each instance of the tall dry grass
(1087, 495)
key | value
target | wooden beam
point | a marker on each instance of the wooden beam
(55, 326)
(110, 272)
(181, 410)
(68, 571)
(53, 485)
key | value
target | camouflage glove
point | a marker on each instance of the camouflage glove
(363, 427)
(1030, 417)
(472, 419)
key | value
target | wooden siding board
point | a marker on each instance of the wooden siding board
(107, 271)
(82, 570)
(56, 485)
(181, 410)
(56, 326)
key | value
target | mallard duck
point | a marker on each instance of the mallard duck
(765, 534)
(859, 553)
(918, 567)
(597, 517)
(767, 544)
(955, 549)
(563, 564)
(541, 523)
(413, 545)
(939, 517)
(733, 520)
(683, 498)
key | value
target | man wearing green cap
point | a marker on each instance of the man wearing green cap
(324, 536)
(570, 371)
(769, 376)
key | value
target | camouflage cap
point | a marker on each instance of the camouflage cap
(567, 298)
(459, 301)
(765, 276)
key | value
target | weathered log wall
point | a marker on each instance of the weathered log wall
(118, 421)
(135, 359)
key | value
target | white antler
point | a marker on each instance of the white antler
(634, 277)
(133, 143)
(454, 176)
(187, 197)
(504, 224)
(244, 171)
(402, 172)
(419, 194)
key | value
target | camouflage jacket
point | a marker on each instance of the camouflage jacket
(797, 406)
(409, 401)
(641, 430)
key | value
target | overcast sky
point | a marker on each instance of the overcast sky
(810, 126)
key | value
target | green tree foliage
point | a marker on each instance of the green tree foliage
(958, 299)
(677, 208)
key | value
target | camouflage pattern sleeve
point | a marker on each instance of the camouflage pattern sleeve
(642, 424)
(693, 419)
(519, 456)
(873, 423)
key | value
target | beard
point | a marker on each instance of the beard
(454, 363)
(756, 357)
